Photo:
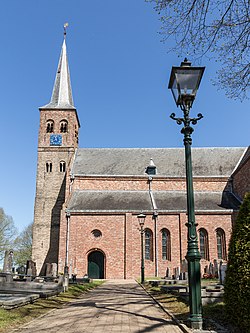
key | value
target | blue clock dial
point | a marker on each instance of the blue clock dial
(55, 140)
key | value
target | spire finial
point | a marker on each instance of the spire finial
(64, 27)
(62, 93)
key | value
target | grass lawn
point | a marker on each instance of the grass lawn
(10, 319)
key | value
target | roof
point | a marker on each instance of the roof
(62, 94)
(170, 162)
(244, 160)
(137, 201)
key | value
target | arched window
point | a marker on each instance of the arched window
(63, 126)
(166, 244)
(148, 244)
(62, 166)
(221, 244)
(48, 167)
(204, 248)
(50, 126)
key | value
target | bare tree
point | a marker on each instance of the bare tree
(23, 246)
(7, 232)
(219, 29)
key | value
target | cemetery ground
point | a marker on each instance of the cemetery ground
(10, 319)
(214, 315)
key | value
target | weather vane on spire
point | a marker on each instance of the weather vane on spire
(64, 27)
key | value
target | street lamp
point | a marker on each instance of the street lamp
(184, 83)
(141, 219)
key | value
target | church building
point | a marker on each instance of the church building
(88, 199)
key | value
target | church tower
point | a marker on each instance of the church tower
(57, 142)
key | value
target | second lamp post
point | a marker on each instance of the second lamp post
(141, 218)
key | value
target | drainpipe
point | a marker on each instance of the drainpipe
(66, 267)
(154, 217)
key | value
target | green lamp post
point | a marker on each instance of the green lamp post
(141, 219)
(184, 83)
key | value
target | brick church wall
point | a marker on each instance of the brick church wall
(121, 244)
(241, 179)
(51, 186)
(120, 240)
(141, 184)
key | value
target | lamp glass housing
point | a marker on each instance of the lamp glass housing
(184, 82)
(141, 218)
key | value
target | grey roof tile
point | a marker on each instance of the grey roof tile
(207, 162)
(137, 201)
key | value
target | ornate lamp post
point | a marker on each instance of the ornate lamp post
(184, 83)
(141, 219)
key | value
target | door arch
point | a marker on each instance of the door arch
(96, 265)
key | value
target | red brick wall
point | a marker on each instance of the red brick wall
(69, 139)
(140, 184)
(50, 186)
(121, 243)
(82, 242)
(241, 180)
(211, 223)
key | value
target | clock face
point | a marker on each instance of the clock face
(55, 140)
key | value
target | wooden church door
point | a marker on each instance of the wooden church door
(96, 265)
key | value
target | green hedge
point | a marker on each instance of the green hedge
(237, 281)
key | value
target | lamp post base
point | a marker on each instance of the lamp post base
(194, 282)
(196, 325)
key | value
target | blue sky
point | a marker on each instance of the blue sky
(119, 75)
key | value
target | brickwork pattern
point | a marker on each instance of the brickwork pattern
(121, 243)
(140, 184)
(241, 180)
(120, 235)
(51, 186)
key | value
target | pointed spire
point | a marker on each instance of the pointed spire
(62, 94)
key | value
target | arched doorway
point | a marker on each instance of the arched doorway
(96, 265)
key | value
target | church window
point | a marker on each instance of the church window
(64, 126)
(96, 233)
(166, 244)
(48, 167)
(221, 244)
(204, 249)
(148, 244)
(50, 126)
(62, 166)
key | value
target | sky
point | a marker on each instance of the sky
(119, 76)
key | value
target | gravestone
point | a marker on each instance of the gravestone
(29, 274)
(222, 272)
(167, 273)
(211, 269)
(48, 269)
(54, 269)
(31, 268)
(21, 270)
(183, 269)
(60, 267)
(177, 273)
(8, 261)
(216, 268)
